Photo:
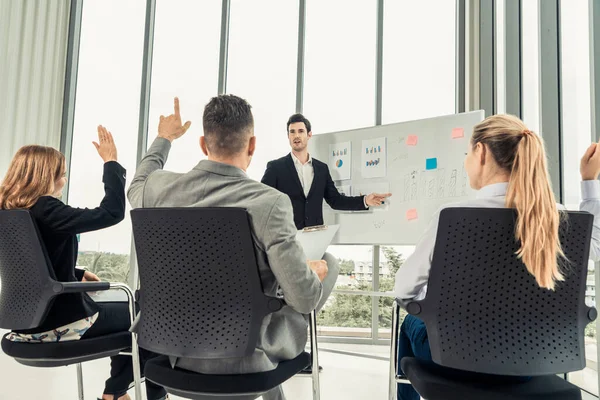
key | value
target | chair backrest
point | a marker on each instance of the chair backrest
(25, 272)
(484, 312)
(201, 295)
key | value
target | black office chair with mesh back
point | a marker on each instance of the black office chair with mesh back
(201, 297)
(29, 288)
(486, 314)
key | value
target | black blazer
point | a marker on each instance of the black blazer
(59, 225)
(281, 174)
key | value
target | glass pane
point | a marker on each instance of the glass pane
(262, 69)
(531, 64)
(418, 62)
(339, 86)
(356, 267)
(108, 93)
(185, 64)
(576, 101)
(346, 316)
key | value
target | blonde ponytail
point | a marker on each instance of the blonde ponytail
(522, 153)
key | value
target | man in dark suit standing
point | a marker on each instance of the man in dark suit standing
(307, 181)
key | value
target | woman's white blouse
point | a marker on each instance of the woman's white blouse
(412, 277)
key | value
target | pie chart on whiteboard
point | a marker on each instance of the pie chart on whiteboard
(339, 163)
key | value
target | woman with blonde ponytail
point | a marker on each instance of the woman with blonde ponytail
(506, 164)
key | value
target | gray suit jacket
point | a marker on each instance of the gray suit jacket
(281, 259)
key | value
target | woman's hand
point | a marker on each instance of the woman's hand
(90, 277)
(590, 163)
(106, 149)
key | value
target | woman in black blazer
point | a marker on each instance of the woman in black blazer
(34, 181)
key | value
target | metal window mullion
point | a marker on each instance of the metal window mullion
(379, 64)
(374, 299)
(224, 47)
(70, 89)
(594, 26)
(301, 50)
(550, 90)
(513, 23)
(461, 57)
(487, 56)
(472, 59)
(142, 143)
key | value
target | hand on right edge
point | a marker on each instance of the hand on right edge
(320, 268)
(170, 127)
(590, 163)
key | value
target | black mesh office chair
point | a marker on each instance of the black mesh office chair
(485, 313)
(29, 288)
(201, 297)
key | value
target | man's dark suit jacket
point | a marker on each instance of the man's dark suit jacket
(281, 174)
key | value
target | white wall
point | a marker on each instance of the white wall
(33, 48)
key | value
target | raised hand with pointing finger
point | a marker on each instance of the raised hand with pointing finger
(170, 127)
(376, 199)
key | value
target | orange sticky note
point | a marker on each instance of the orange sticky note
(411, 214)
(458, 133)
(412, 140)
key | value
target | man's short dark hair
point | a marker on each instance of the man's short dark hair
(298, 118)
(227, 123)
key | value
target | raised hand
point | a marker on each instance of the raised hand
(376, 199)
(106, 148)
(170, 127)
(590, 163)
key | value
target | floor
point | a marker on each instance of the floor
(346, 376)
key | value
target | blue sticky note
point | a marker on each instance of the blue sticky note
(431, 163)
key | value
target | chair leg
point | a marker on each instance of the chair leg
(314, 353)
(135, 351)
(79, 382)
(137, 374)
(394, 352)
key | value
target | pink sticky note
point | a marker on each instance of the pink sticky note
(411, 214)
(412, 140)
(458, 133)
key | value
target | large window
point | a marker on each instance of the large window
(185, 64)
(108, 93)
(262, 69)
(577, 136)
(339, 88)
(419, 58)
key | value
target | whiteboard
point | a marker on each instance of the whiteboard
(424, 170)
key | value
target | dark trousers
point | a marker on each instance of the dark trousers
(113, 317)
(414, 342)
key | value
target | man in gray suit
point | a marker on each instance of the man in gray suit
(221, 181)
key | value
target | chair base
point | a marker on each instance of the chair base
(434, 382)
(193, 385)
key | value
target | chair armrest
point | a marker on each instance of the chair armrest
(275, 304)
(592, 314)
(79, 287)
(413, 307)
(82, 287)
